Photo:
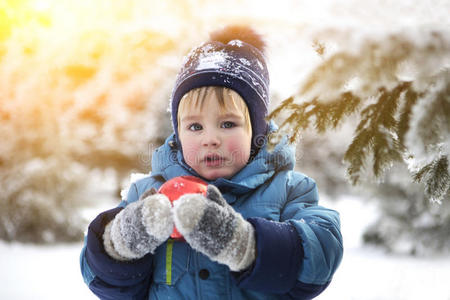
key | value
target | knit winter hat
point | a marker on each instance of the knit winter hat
(232, 58)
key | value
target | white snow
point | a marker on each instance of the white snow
(371, 274)
(52, 272)
(237, 43)
(33, 272)
(212, 61)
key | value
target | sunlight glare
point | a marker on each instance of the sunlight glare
(41, 5)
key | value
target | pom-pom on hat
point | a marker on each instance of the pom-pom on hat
(232, 58)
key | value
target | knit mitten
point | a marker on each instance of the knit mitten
(139, 228)
(210, 225)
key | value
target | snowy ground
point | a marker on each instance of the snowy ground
(36, 272)
(371, 274)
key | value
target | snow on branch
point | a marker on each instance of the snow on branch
(398, 84)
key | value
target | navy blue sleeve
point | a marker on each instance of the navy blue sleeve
(305, 291)
(115, 279)
(279, 257)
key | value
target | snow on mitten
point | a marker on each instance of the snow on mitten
(210, 225)
(139, 228)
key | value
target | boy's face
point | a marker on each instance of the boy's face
(215, 143)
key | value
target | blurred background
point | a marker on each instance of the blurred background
(84, 93)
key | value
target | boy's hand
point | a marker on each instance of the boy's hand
(140, 227)
(212, 227)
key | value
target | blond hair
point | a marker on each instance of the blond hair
(228, 100)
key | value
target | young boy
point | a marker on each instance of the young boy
(257, 234)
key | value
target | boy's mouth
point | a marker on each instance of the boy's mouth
(213, 160)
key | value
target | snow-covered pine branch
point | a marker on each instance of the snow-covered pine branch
(399, 86)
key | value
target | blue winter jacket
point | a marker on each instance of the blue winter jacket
(299, 244)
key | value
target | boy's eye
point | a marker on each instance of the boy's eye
(195, 127)
(228, 124)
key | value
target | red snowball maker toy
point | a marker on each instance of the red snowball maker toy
(177, 187)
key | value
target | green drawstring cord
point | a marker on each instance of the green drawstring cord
(169, 247)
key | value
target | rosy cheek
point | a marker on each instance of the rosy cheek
(237, 150)
(190, 153)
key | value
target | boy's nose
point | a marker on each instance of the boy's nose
(211, 139)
